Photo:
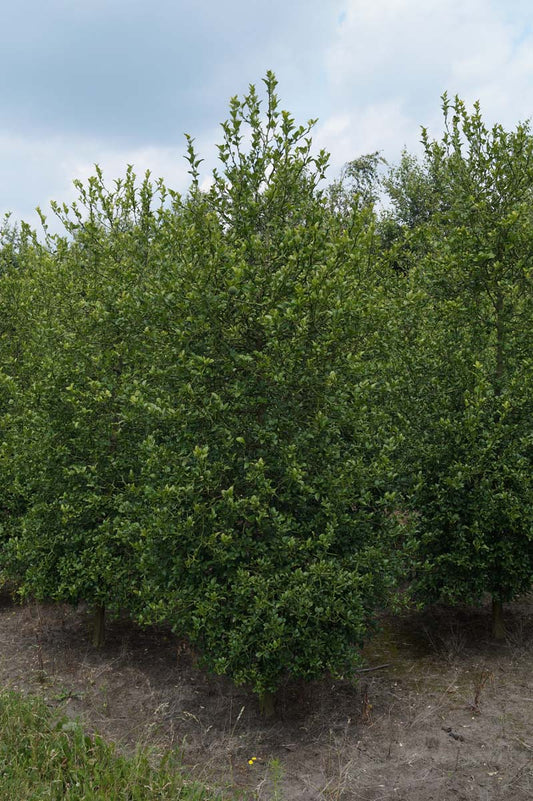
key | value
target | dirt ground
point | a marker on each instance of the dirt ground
(449, 717)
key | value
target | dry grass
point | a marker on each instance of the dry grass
(450, 717)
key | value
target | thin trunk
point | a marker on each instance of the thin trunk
(498, 626)
(266, 705)
(99, 626)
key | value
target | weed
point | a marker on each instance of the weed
(271, 782)
(480, 682)
(42, 756)
(366, 706)
(276, 775)
(449, 643)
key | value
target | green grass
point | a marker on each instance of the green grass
(43, 756)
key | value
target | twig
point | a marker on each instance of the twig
(370, 669)
(526, 745)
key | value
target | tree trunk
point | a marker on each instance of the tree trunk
(498, 627)
(266, 705)
(99, 626)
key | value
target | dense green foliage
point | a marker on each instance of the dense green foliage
(225, 411)
(468, 400)
(268, 542)
(196, 434)
(46, 756)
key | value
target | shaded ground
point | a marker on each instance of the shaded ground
(450, 717)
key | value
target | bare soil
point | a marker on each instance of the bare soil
(450, 717)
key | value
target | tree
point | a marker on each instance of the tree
(416, 192)
(359, 184)
(20, 252)
(468, 389)
(269, 539)
(200, 441)
(75, 436)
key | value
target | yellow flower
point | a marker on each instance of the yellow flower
(252, 760)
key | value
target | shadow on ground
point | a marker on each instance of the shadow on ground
(450, 716)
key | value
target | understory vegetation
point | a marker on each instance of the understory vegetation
(43, 756)
(265, 412)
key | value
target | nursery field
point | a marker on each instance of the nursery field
(439, 710)
(236, 426)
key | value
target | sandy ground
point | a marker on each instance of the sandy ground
(449, 717)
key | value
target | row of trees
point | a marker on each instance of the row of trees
(254, 412)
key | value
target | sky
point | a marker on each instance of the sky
(118, 82)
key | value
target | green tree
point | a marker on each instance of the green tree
(199, 431)
(359, 184)
(20, 252)
(268, 540)
(75, 438)
(416, 191)
(464, 329)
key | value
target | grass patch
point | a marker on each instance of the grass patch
(43, 756)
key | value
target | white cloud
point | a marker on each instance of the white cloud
(372, 70)
(391, 38)
(38, 171)
(162, 162)
(380, 126)
(391, 60)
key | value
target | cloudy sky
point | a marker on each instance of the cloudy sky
(120, 81)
